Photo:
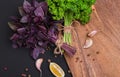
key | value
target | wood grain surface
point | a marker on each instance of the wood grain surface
(103, 58)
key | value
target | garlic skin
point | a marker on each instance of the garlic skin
(88, 43)
(92, 33)
(38, 63)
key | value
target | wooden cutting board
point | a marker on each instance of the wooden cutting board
(103, 58)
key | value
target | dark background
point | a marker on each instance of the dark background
(16, 60)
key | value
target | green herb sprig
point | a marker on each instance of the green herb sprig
(70, 10)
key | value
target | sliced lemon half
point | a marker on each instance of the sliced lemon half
(56, 70)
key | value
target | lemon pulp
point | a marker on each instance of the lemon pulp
(56, 70)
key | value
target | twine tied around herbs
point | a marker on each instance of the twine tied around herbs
(59, 42)
(58, 49)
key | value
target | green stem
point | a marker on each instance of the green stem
(67, 22)
(67, 19)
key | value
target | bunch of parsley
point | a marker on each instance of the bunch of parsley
(70, 10)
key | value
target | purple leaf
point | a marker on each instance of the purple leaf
(14, 37)
(14, 45)
(21, 11)
(36, 52)
(24, 19)
(31, 40)
(44, 6)
(35, 3)
(39, 12)
(40, 43)
(43, 44)
(14, 18)
(19, 43)
(21, 30)
(41, 36)
(53, 32)
(26, 6)
(12, 26)
(36, 19)
(42, 29)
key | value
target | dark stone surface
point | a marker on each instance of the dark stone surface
(16, 60)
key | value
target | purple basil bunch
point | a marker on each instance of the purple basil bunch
(35, 28)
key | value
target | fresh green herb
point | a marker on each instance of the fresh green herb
(70, 10)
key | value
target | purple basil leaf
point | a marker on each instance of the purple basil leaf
(24, 19)
(21, 11)
(53, 32)
(40, 43)
(36, 52)
(43, 44)
(31, 40)
(35, 3)
(36, 19)
(19, 43)
(41, 36)
(14, 37)
(14, 45)
(33, 29)
(44, 6)
(53, 40)
(21, 30)
(12, 26)
(14, 18)
(42, 29)
(39, 12)
(27, 6)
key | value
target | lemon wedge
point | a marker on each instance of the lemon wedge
(56, 70)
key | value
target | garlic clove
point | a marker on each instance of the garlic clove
(38, 63)
(88, 43)
(92, 33)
